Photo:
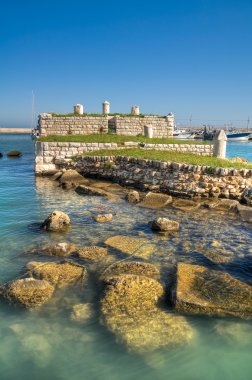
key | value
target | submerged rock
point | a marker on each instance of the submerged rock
(103, 218)
(82, 312)
(138, 247)
(222, 204)
(165, 225)
(233, 332)
(91, 190)
(92, 253)
(14, 153)
(132, 267)
(56, 221)
(58, 274)
(55, 249)
(247, 196)
(156, 200)
(28, 292)
(130, 310)
(185, 204)
(204, 291)
(133, 196)
(1, 155)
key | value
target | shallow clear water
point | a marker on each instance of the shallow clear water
(45, 344)
(240, 149)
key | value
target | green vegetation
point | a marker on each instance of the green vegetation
(113, 138)
(185, 158)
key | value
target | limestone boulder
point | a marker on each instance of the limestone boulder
(156, 200)
(58, 274)
(56, 221)
(200, 290)
(92, 253)
(133, 196)
(14, 153)
(28, 292)
(71, 178)
(103, 218)
(130, 310)
(137, 247)
(185, 204)
(164, 225)
(222, 204)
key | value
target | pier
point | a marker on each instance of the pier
(15, 130)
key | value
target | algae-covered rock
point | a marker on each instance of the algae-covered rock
(92, 253)
(56, 221)
(138, 247)
(55, 249)
(185, 204)
(91, 190)
(130, 310)
(165, 225)
(58, 274)
(204, 291)
(103, 218)
(156, 200)
(28, 292)
(82, 312)
(132, 267)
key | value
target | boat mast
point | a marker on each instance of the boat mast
(248, 123)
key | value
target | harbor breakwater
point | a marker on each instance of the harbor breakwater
(167, 177)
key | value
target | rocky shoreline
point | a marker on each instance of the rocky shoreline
(145, 308)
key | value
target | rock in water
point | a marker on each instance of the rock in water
(165, 225)
(103, 218)
(58, 274)
(133, 196)
(56, 221)
(28, 292)
(92, 253)
(137, 247)
(156, 200)
(132, 267)
(247, 196)
(1, 155)
(82, 312)
(129, 310)
(204, 291)
(245, 213)
(185, 204)
(71, 178)
(57, 249)
(14, 153)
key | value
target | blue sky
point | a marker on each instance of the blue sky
(191, 57)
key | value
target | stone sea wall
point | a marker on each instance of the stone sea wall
(121, 125)
(168, 177)
(49, 153)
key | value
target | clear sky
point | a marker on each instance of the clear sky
(191, 57)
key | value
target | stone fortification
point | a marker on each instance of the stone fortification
(121, 125)
(72, 125)
(48, 153)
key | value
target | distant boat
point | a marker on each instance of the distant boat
(183, 134)
(238, 136)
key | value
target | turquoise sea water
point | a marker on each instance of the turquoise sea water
(45, 344)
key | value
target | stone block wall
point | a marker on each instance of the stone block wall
(75, 125)
(84, 125)
(134, 126)
(199, 149)
(168, 177)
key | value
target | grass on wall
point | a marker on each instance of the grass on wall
(113, 138)
(186, 158)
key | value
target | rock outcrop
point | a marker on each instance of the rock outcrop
(58, 274)
(155, 200)
(204, 291)
(130, 310)
(28, 292)
(164, 225)
(71, 178)
(56, 221)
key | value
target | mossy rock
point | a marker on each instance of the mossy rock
(200, 290)
(58, 274)
(14, 153)
(132, 267)
(28, 292)
(137, 247)
(92, 253)
(130, 310)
